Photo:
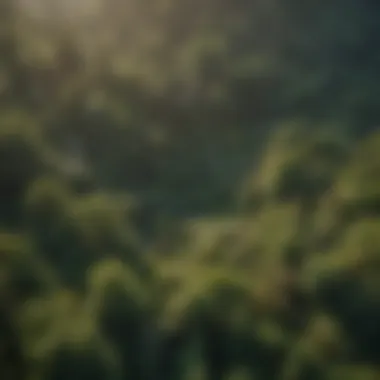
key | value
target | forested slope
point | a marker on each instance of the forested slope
(190, 190)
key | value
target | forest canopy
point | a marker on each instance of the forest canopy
(189, 190)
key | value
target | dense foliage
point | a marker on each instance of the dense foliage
(190, 190)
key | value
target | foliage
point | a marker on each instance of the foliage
(189, 190)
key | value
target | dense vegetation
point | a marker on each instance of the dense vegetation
(190, 190)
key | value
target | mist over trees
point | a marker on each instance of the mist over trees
(189, 190)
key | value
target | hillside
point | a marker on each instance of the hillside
(190, 190)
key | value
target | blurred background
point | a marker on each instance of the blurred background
(189, 190)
